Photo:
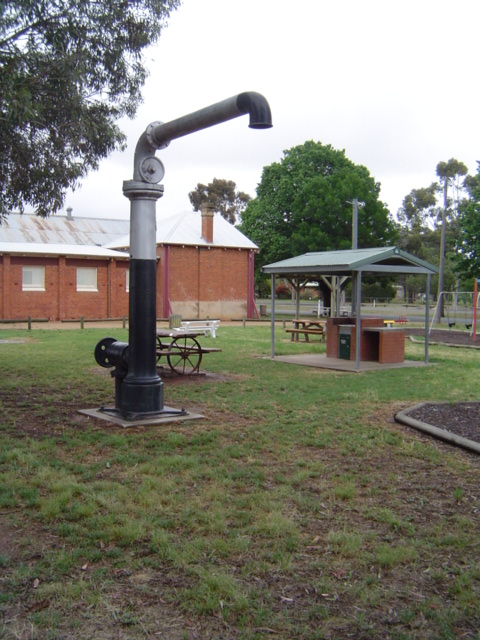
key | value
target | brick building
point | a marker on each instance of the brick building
(64, 268)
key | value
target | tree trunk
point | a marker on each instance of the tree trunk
(441, 302)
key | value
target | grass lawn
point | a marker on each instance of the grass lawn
(297, 509)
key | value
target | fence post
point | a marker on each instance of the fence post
(29, 323)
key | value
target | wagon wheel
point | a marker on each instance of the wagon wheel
(185, 355)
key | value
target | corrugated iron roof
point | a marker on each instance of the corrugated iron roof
(388, 259)
(31, 234)
(45, 249)
(61, 229)
(186, 229)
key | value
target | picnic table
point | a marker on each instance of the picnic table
(182, 350)
(307, 327)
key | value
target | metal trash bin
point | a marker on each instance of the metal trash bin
(174, 321)
(263, 309)
(344, 346)
(344, 342)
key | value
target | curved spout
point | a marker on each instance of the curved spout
(248, 102)
(258, 108)
(159, 135)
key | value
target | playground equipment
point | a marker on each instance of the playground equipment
(476, 296)
(460, 308)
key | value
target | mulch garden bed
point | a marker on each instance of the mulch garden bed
(460, 418)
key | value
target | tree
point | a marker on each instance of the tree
(468, 248)
(223, 196)
(302, 205)
(416, 233)
(449, 174)
(418, 208)
(69, 69)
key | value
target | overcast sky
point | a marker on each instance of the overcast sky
(394, 84)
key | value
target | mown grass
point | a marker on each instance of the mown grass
(296, 509)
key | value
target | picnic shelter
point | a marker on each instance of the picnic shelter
(334, 267)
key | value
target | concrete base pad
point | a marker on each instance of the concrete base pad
(158, 419)
(338, 364)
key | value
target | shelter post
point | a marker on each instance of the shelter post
(358, 324)
(427, 319)
(272, 318)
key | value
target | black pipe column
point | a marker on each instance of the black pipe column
(142, 388)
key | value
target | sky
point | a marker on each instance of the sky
(394, 84)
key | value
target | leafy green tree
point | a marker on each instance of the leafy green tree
(69, 69)
(224, 197)
(302, 205)
(468, 248)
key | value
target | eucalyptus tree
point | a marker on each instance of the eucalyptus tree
(416, 232)
(449, 174)
(223, 196)
(69, 69)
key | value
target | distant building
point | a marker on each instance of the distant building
(65, 268)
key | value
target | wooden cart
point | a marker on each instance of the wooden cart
(182, 351)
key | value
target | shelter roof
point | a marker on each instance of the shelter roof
(330, 263)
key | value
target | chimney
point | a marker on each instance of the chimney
(69, 213)
(207, 212)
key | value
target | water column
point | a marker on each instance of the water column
(142, 388)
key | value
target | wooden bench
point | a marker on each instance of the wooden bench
(211, 350)
(207, 327)
(306, 332)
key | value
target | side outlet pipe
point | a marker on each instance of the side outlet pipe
(140, 393)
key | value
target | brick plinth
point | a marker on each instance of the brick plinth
(383, 345)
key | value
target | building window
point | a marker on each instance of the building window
(127, 281)
(87, 279)
(33, 278)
